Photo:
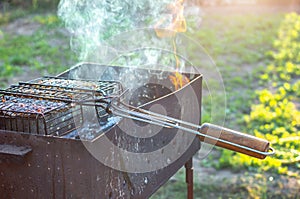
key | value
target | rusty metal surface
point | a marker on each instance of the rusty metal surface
(64, 168)
(14, 150)
(189, 172)
(13, 154)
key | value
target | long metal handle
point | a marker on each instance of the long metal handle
(209, 133)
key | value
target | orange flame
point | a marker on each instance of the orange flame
(178, 24)
(178, 80)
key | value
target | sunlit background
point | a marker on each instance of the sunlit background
(255, 45)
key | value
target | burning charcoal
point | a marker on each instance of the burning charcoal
(104, 87)
(37, 115)
(49, 105)
(12, 103)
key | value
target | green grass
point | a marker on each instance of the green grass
(275, 115)
(241, 185)
(238, 44)
(47, 50)
(245, 35)
(9, 15)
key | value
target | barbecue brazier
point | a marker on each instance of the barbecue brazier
(41, 157)
(47, 145)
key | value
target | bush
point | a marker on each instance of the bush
(275, 117)
(32, 4)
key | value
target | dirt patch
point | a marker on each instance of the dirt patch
(26, 75)
(22, 26)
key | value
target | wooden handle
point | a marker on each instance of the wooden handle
(231, 136)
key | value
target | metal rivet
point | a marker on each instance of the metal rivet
(49, 168)
(29, 165)
(56, 156)
(80, 172)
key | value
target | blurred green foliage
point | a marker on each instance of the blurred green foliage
(287, 56)
(47, 20)
(276, 116)
(240, 186)
(8, 16)
(31, 4)
(34, 51)
(237, 43)
(45, 49)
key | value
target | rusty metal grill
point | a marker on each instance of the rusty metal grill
(49, 92)
(38, 116)
(104, 87)
(53, 105)
(56, 166)
(46, 105)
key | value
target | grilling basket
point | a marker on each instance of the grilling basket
(40, 122)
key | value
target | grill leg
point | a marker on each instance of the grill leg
(189, 178)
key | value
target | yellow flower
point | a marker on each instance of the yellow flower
(289, 67)
(273, 103)
(274, 84)
(264, 76)
(287, 86)
(294, 34)
(270, 68)
(265, 96)
(282, 91)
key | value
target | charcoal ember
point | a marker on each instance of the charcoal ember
(38, 116)
(104, 87)
(49, 92)
(49, 105)
(10, 104)
(71, 83)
